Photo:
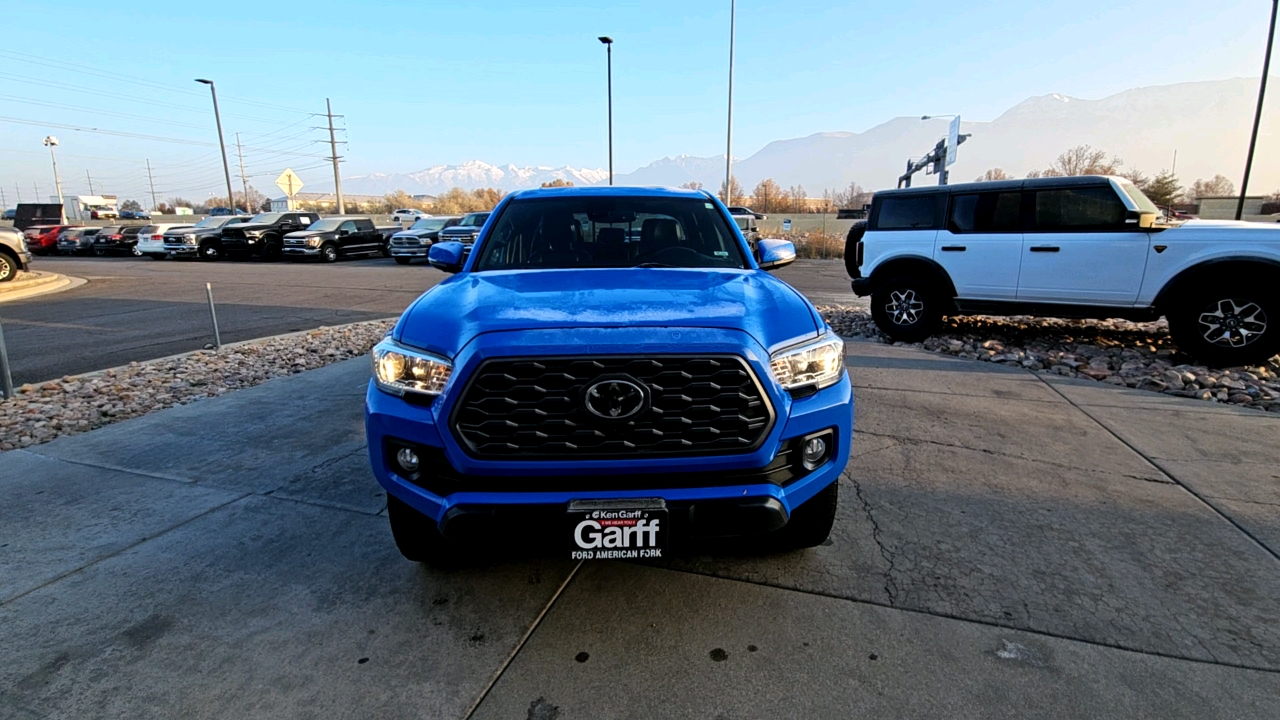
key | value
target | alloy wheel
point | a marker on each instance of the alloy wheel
(905, 307)
(1233, 323)
(6, 267)
(136, 251)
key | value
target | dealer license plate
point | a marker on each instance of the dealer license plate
(629, 529)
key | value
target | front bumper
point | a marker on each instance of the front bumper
(415, 251)
(727, 494)
(300, 251)
(183, 249)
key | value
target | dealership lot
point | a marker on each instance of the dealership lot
(1009, 545)
(136, 309)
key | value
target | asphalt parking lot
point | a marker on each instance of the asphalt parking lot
(1008, 545)
(135, 309)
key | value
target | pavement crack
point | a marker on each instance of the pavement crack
(890, 584)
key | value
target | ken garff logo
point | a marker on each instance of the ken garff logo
(614, 398)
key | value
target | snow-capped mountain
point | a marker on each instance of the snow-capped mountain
(469, 176)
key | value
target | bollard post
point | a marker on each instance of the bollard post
(5, 377)
(213, 315)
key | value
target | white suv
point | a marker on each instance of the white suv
(1073, 247)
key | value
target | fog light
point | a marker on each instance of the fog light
(408, 460)
(813, 450)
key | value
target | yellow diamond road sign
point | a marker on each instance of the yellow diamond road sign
(289, 182)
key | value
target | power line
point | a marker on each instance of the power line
(118, 133)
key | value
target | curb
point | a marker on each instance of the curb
(38, 283)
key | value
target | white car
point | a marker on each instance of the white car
(151, 240)
(406, 217)
(1071, 247)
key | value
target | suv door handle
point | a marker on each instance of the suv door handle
(1044, 248)
(952, 248)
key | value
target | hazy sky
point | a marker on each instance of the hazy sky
(425, 83)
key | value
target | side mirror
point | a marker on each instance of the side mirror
(1139, 219)
(774, 253)
(447, 256)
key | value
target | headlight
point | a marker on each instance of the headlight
(399, 370)
(818, 363)
(313, 242)
(188, 239)
(252, 233)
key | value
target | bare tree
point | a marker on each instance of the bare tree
(1084, 160)
(766, 196)
(1219, 186)
(992, 175)
(558, 182)
(1137, 177)
(854, 196)
(737, 191)
(692, 185)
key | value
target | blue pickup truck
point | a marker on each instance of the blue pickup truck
(609, 368)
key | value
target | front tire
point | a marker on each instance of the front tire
(810, 524)
(210, 252)
(8, 267)
(329, 254)
(418, 537)
(907, 309)
(1228, 324)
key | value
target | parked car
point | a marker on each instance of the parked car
(467, 229)
(608, 393)
(417, 240)
(14, 255)
(220, 211)
(103, 212)
(43, 239)
(76, 241)
(203, 240)
(135, 215)
(1075, 247)
(335, 237)
(112, 239)
(740, 210)
(151, 240)
(408, 216)
(747, 225)
(9, 214)
(263, 236)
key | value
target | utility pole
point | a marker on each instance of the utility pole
(217, 118)
(333, 155)
(3, 203)
(728, 151)
(51, 142)
(151, 181)
(86, 174)
(244, 179)
(19, 191)
(1257, 116)
(608, 48)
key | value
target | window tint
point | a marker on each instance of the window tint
(349, 226)
(1079, 209)
(364, 225)
(985, 212)
(907, 213)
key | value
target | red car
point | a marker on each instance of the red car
(43, 239)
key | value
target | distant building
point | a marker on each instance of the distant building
(1224, 207)
(322, 201)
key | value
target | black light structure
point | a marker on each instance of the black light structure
(608, 46)
(226, 169)
(1257, 116)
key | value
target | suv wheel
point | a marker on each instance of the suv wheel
(810, 524)
(905, 308)
(210, 251)
(1227, 325)
(8, 267)
(417, 536)
(135, 251)
(329, 254)
(99, 252)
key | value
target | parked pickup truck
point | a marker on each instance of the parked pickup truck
(417, 240)
(467, 229)
(202, 240)
(263, 235)
(335, 237)
(14, 255)
(1073, 247)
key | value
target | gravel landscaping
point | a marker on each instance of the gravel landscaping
(42, 412)
(1116, 352)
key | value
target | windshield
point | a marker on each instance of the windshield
(326, 225)
(474, 220)
(429, 224)
(1142, 201)
(266, 218)
(600, 232)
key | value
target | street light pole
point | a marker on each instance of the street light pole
(51, 142)
(608, 47)
(728, 142)
(1257, 116)
(226, 169)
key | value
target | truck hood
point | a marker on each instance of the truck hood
(1236, 230)
(448, 316)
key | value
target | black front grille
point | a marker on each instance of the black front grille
(534, 408)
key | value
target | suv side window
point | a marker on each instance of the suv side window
(349, 226)
(364, 225)
(910, 212)
(1079, 210)
(988, 212)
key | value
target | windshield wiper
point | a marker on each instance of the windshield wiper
(653, 265)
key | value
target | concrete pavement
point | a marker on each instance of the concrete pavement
(1008, 545)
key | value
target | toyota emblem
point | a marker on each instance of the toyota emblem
(614, 398)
